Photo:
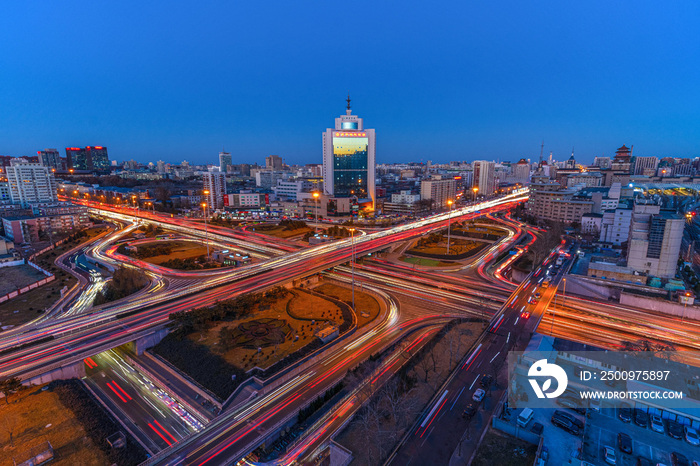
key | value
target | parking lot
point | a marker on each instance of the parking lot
(602, 429)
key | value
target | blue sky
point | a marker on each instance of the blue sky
(439, 81)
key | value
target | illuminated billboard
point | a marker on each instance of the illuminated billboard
(350, 160)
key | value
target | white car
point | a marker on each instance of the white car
(657, 424)
(479, 395)
(691, 436)
(609, 455)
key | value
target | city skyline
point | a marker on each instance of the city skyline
(478, 83)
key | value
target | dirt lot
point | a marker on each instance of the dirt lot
(280, 232)
(39, 417)
(364, 303)
(309, 306)
(181, 250)
(13, 278)
(502, 449)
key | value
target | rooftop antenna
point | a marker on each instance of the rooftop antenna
(348, 108)
(541, 152)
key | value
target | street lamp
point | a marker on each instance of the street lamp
(685, 305)
(476, 190)
(554, 310)
(352, 263)
(206, 229)
(449, 219)
(316, 195)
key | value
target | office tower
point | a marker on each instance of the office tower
(215, 183)
(50, 158)
(224, 161)
(30, 182)
(485, 177)
(273, 162)
(90, 158)
(602, 162)
(438, 190)
(349, 158)
(160, 166)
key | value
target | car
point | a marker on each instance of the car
(640, 418)
(641, 461)
(657, 424)
(525, 315)
(486, 381)
(691, 435)
(532, 300)
(678, 459)
(675, 430)
(624, 441)
(609, 455)
(469, 411)
(478, 395)
(537, 428)
(624, 412)
(538, 295)
(565, 424)
(570, 417)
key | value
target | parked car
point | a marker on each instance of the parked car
(640, 418)
(478, 395)
(570, 417)
(565, 424)
(675, 430)
(691, 435)
(657, 424)
(537, 428)
(678, 459)
(469, 411)
(609, 455)
(624, 412)
(486, 381)
(624, 441)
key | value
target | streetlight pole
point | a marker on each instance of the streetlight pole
(206, 227)
(554, 310)
(449, 219)
(316, 198)
(475, 189)
(352, 263)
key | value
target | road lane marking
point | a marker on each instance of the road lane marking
(457, 398)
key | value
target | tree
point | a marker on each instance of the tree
(9, 424)
(7, 386)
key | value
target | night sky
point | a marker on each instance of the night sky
(440, 81)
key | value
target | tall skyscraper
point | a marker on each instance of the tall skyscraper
(91, 158)
(485, 176)
(349, 158)
(273, 162)
(439, 191)
(215, 183)
(521, 171)
(50, 158)
(645, 165)
(30, 182)
(224, 161)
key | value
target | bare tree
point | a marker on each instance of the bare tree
(9, 424)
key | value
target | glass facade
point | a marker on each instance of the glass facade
(350, 162)
(656, 237)
(349, 125)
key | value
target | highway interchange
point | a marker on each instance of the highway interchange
(76, 332)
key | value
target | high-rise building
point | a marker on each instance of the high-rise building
(273, 162)
(485, 176)
(90, 158)
(215, 183)
(160, 166)
(438, 190)
(50, 158)
(645, 165)
(521, 172)
(224, 161)
(602, 162)
(30, 182)
(349, 159)
(654, 241)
